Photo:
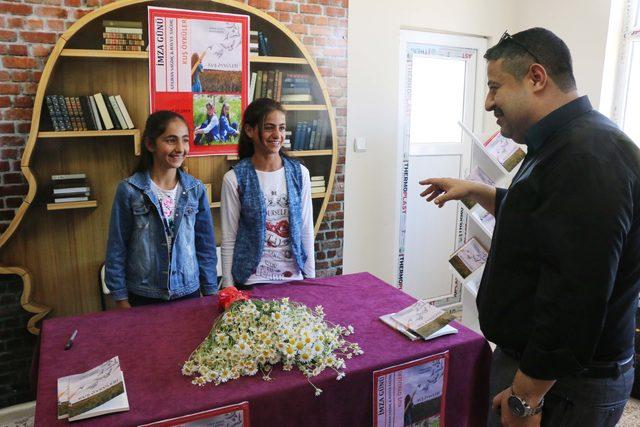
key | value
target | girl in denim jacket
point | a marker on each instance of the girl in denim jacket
(266, 212)
(161, 242)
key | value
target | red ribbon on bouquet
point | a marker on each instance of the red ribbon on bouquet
(229, 295)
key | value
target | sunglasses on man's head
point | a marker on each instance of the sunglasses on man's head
(506, 36)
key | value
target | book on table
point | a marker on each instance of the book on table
(98, 391)
(421, 320)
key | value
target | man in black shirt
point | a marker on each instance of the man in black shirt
(560, 287)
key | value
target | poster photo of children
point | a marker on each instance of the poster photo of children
(216, 118)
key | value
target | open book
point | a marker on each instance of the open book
(96, 392)
(421, 320)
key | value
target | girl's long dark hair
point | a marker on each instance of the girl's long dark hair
(156, 125)
(253, 116)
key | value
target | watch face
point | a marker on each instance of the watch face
(516, 406)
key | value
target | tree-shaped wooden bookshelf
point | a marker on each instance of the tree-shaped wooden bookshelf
(59, 252)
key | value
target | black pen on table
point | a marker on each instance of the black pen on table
(69, 343)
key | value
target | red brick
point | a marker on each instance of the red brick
(37, 75)
(335, 11)
(296, 18)
(7, 214)
(53, 12)
(35, 24)
(56, 25)
(19, 62)
(24, 127)
(311, 8)
(20, 76)
(4, 77)
(41, 50)
(49, 2)
(315, 20)
(13, 202)
(13, 178)
(5, 101)
(6, 128)
(8, 36)
(18, 50)
(283, 17)
(320, 256)
(93, 3)
(38, 37)
(9, 89)
(334, 207)
(31, 88)
(16, 22)
(287, 6)
(18, 114)
(298, 29)
(321, 31)
(261, 4)
(9, 153)
(4, 166)
(79, 13)
(73, 3)
(23, 102)
(15, 8)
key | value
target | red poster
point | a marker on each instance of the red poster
(199, 67)
(411, 393)
(236, 415)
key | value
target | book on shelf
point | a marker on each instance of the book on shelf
(469, 258)
(283, 86)
(71, 190)
(112, 113)
(122, 48)
(504, 150)
(63, 177)
(122, 30)
(124, 111)
(104, 112)
(318, 190)
(98, 391)
(71, 199)
(487, 220)
(477, 175)
(116, 110)
(421, 320)
(309, 135)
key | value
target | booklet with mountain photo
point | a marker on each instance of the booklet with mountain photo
(98, 391)
(421, 319)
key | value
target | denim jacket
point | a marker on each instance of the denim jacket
(137, 253)
(253, 216)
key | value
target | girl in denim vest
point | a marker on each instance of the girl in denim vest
(266, 212)
(161, 242)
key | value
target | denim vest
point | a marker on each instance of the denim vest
(253, 217)
(137, 254)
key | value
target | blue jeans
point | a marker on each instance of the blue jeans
(571, 402)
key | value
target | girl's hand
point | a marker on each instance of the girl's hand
(123, 304)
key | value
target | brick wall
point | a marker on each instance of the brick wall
(28, 32)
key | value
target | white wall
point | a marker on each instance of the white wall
(371, 178)
(583, 26)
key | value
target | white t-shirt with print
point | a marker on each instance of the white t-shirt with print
(167, 200)
(277, 263)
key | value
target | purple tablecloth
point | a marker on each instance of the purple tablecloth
(153, 342)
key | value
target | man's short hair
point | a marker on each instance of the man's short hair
(539, 45)
(209, 105)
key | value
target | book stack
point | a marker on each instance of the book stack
(99, 391)
(318, 185)
(310, 135)
(122, 35)
(287, 139)
(285, 87)
(70, 188)
(420, 320)
(258, 43)
(93, 112)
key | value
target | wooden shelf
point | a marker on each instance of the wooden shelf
(96, 53)
(214, 205)
(304, 107)
(296, 153)
(135, 133)
(72, 205)
(276, 60)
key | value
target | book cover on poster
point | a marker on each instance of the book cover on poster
(199, 67)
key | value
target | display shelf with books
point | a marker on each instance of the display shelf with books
(72, 205)
(79, 67)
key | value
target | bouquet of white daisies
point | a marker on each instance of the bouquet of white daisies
(254, 335)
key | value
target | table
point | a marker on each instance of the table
(153, 341)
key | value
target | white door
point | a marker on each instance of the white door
(441, 83)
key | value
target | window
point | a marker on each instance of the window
(627, 109)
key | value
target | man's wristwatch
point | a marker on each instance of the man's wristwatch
(520, 408)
